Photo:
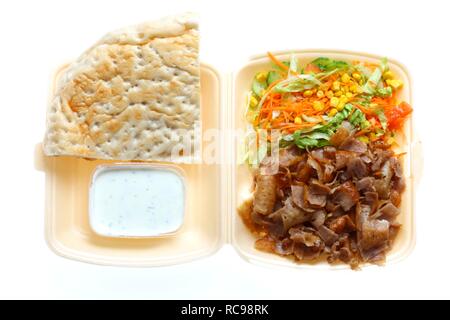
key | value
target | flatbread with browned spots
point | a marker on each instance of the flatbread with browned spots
(133, 96)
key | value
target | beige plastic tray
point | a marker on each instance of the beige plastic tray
(213, 191)
(68, 232)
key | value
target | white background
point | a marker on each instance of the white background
(37, 36)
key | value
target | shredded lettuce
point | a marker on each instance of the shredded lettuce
(277, 68)
(337, 120)
(382, 118)
(287, 140)
(292, 66)
(357, 118)
(384, 92)
(363, 70)
(314, 139)
(304, 142)
(258, 87)
(320, 134)
(327, 64)
(308, 118)
(255, 150)
(272, 76)
(384, 64)
(372, 83)
(297, 83)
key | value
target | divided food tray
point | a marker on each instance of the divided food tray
(213, 191)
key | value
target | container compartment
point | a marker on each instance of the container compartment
(241, 237)
(68, 231)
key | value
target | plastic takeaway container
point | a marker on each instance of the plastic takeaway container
(213, 191)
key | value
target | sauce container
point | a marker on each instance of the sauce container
(136, 200)
(213, 190)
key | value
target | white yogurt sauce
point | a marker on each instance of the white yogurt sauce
(136, 201)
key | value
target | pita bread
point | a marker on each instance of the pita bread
(133, 96)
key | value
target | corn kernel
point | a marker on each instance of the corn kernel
(366, 124)
(394, 83)
(253, 102)
(338, 93)
(263, 92)
(354, 88)
(332, 112)
(320, 94)
(388, 75)
(343, 99)
(261, 76)
(298, 120)
(364, 139)
(356, 76)
(334, 101)
(336, 85)
(330, 94)
(345, 78)
(349, 95)
(361, 82)
(307, 93)
(390, 140)
(340, 105)
(344, 89)
(318, 105)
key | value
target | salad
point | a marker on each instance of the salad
(332, 187)
(308, 103)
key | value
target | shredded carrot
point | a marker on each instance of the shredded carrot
(365, 110)
(362, 132)
(279, 63)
